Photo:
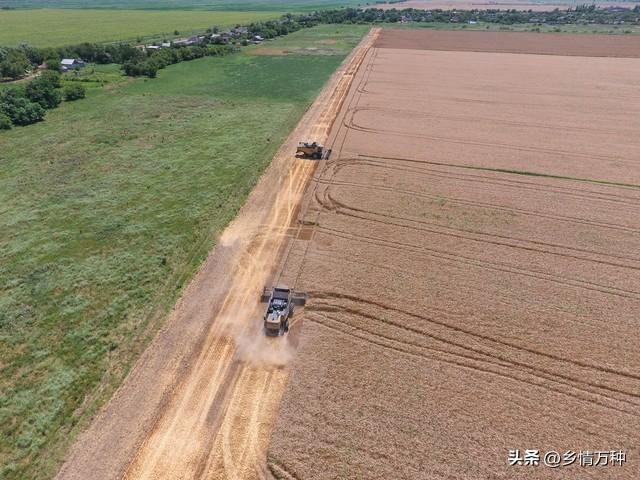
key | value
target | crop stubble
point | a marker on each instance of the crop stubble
(474, 268)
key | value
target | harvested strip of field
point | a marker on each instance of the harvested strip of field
(474, 271)
(513, 42)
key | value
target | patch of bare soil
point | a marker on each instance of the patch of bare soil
(513, 42)
(473, 269)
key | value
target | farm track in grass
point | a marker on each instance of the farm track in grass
(461, 283)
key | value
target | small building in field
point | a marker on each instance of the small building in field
(71, 64)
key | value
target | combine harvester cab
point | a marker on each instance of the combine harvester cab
(280, 306)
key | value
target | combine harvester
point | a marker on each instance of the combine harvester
(312, 150)
(281, 301)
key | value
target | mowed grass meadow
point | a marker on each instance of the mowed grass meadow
(60, 27)
(107, 209)
(320, 40)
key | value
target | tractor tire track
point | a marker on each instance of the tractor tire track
(483, 264)
(514, 300)
(379, 340)
(322, 295)
(341, 208)
(565, 154)
(479, 204)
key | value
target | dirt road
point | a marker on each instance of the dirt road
(202, 400)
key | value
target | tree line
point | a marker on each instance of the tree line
(16, 62)
(582, 14)
(149, 64)
(26, 104)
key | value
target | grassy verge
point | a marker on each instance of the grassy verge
(59, 27)
(108, 208)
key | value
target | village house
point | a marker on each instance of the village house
(71, 64)
(239, 31)
(195, 40)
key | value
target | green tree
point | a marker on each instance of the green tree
(50, 78)
(5, 122)
(74, 92)
(14, 65)
(43, 90)
(53, 64)
(34, 55)
(19, 109)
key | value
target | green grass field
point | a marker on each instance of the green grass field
(108, 207)
(218, 5)
(59, 27)
(320, 40)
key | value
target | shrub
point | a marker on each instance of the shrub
(19, 109)
(50, 78)
(43, 90)
(14, 64)
(34, 55)
(5, 122)
(53, 64)
(74, 92)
